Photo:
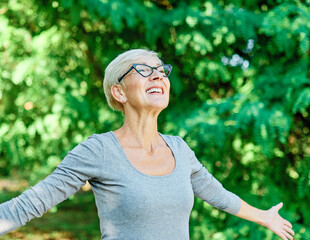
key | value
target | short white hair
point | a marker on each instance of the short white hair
(117, 68)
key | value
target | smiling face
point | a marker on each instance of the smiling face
(147, 93)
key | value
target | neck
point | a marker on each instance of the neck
(139, 130)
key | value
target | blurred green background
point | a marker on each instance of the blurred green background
(240, 97)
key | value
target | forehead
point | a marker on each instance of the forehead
(152, 61)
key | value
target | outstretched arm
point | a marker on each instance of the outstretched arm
(210, 190)
(269, 218)
(81, 164)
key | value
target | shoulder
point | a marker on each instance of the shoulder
(107, 142)
(96, 142)
(93, 149)
(176, 141)
(102, 138)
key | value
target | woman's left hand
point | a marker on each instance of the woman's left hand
(277, 224)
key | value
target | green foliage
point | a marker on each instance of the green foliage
(303, 102)
(240, 92)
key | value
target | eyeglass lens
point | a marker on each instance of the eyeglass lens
(145, 70)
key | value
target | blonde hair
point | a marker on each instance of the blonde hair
(117, 68)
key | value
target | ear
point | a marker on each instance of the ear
(118, 93)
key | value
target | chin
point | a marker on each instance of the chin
(159, 106)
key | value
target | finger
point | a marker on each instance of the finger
(289, 230)
(287, 235)
(287, 223)
(281, 235)
(279, 206)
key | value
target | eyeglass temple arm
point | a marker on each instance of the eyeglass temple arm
(120, 78)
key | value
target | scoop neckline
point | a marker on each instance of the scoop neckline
(120, 147)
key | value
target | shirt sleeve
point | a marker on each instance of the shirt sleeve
(210, 190)
(80, 164)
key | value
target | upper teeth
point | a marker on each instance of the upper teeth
(159, 90)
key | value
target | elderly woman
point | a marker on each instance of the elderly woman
(144, 182)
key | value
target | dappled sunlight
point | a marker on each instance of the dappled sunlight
(37, 235)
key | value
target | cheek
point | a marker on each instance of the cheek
(137, 83)
(134, 89)
(168, 85)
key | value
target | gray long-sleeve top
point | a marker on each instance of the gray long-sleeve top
(131, 205)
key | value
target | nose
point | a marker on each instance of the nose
(157, 75)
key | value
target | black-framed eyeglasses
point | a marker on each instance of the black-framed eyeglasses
(146, 70)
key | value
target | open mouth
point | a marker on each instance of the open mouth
(155, 90)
